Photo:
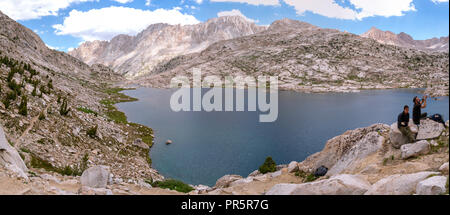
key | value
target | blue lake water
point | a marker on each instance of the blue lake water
(208, 145)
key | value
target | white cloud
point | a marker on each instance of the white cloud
(105, 23)
(123, 1)
(148, 2)
(364, 8)
(386, 8)
(26, 9)
(235, 12)
(439, 1)
(252, 2)
(199, 1)
(330, 8)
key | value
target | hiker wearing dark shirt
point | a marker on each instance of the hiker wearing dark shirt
(417, 110)
(402, 124)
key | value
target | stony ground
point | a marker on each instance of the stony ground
(361, 161)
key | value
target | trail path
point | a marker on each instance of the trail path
(27, 130)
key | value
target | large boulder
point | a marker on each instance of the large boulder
(429, 129)
(342, 149)
(336, 185)
(397, 138)
(444, 168)
(415, 149)
(432, 186)
(95, 177)
(293, 166)
(368, 145)
(10, 158)
(226, 180)
(398, 184)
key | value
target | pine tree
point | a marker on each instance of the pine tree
(23, 106)
(64, 110)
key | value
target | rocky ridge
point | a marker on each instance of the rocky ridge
(404, 40)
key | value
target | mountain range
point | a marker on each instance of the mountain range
(405, 40)
(138, 55)
(310, 59)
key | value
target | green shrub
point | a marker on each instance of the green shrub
(92, 132)
(25, 150)
(310, 177)
(6, 102)
(14, 87)
(44, 90)
(41, 116)
(173, 184)
(268, 166)
(117, 116)
(87, 110)
(50, 84)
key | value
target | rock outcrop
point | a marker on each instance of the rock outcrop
(342, 152)
(429, 129)
(415, 149)
(397, 138)
(226, 180)
(336, 185)
(10, 158)
(444, 168)
(95, 177)
(369, 144)
(399, 184)
(432, 186)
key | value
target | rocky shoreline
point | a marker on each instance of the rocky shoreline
(374, 160)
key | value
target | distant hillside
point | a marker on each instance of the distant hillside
(405, 40)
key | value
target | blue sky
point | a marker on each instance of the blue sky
(64, 24)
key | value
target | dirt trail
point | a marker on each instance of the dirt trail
(27, 130)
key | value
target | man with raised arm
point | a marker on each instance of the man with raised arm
(417, 110)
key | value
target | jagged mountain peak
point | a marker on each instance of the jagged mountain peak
(138, 55)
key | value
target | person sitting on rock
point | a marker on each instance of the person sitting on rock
(402, 124)
(417, 110)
